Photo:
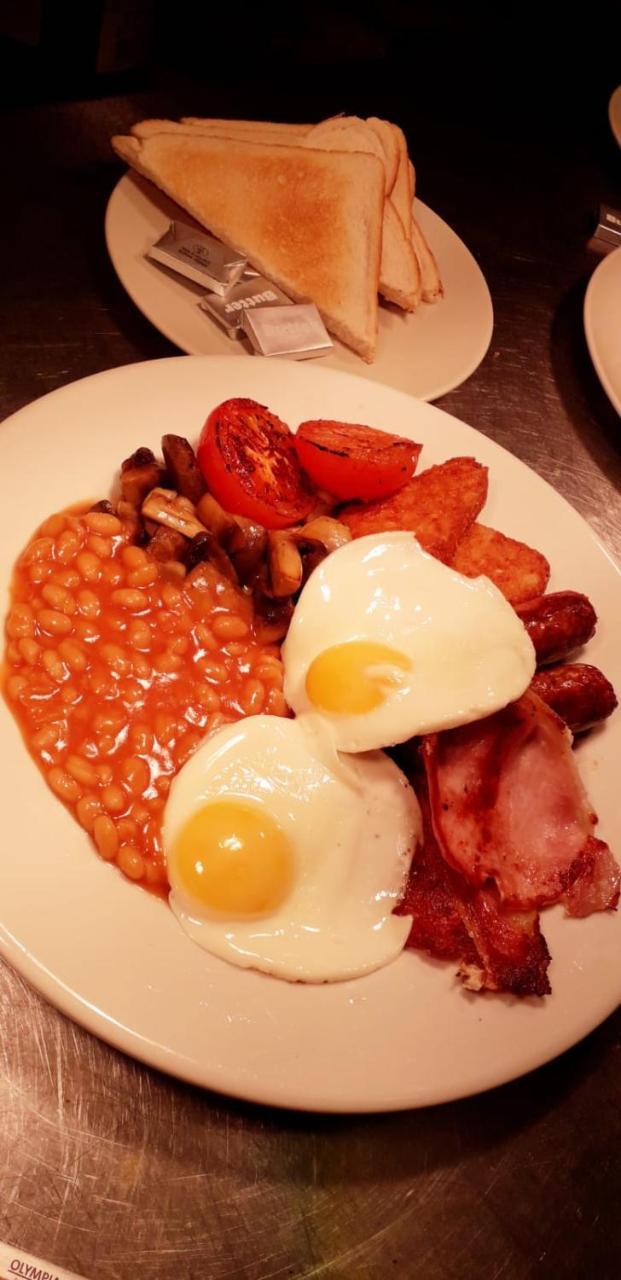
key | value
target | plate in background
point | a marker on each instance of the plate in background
(407, 1035)
(426, 354)
(614, 114)
(602, 324)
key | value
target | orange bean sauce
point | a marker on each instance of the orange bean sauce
(116, 668)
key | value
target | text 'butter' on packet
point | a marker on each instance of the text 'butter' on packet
(245, 296)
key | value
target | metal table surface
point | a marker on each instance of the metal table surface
(107, 1167)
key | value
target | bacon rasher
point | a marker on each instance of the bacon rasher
(495, 949)
(508, 806)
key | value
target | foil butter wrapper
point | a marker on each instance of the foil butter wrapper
(243, 298)
(199, 257)
(296, 331)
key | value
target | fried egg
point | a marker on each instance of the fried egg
(386, 642)
(286, 857)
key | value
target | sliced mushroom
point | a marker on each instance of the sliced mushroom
(196, 550)
(246, 543)
(166, 544)
(184, 471)
(140, 473)
(206, 547)
(141, 457)
(325, 531)
(323, 506)
(165, 506)
(312, 558)
(272, 618)
(287, 568)
(285, 564)
(214, 517)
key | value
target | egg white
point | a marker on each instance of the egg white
(352, 823)
(470, 653)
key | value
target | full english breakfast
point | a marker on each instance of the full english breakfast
(210, 667)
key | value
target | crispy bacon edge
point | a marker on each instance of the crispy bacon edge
(496, 949)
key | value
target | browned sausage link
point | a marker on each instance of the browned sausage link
(558, 623)
(580, 694)
(181, 462)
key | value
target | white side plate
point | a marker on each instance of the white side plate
(602, 324)
(614, 113)
(426, 354)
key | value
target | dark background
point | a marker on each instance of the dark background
(519, 69)
(504, 107)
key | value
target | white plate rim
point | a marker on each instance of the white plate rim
(24, 958)
(614, 113)
(430, 222)
(608, 265)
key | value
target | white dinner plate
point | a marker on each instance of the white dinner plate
(602, 324)
(113, 957)
(427, 353)
(614, 113)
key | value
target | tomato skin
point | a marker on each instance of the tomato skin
(250, 464)
(352, 461)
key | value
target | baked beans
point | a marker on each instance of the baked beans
(116, 667)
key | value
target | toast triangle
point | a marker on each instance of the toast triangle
(403, 189)
(399, 278)
(310, 220)
(386, 134)
(249, 130)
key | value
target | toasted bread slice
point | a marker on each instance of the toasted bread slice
(403, 190)
(347, 133)
(387, 136)
(403, 199)
(400, 276)
(399, 280)
(248, 129)
(245, 131)
(310, 220)
(433, 288)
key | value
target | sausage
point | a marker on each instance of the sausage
(558, 623)
(580, 694)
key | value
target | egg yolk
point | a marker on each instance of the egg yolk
(354, 677)
(233, 859)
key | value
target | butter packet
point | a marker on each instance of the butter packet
(244, 297)
(296, 331)
(195, 254)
